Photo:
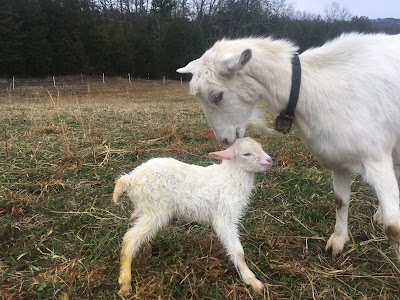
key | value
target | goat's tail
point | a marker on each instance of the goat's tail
(121, 186)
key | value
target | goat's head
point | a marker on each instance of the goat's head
(247, 153)
(227, 94)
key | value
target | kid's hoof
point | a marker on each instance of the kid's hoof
(125, 290)
(257, 286)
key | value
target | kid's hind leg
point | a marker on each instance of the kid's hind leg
(135, 215)
(143, 230)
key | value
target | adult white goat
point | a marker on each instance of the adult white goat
(348, 109)
(215, 195)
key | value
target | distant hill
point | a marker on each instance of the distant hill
(389, 25)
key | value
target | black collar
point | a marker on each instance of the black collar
(284, 121)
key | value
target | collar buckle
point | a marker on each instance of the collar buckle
(283, 123)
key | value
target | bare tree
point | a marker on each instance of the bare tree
(306, 15)
(280, 8)
(334, 12)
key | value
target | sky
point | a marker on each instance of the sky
(373, 9)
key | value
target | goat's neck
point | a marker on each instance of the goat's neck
(272, 69)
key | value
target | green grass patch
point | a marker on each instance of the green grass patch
(61, 234)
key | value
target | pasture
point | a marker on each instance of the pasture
(61, 150)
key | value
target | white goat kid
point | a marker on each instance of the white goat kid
(348, 109)
(217, 195)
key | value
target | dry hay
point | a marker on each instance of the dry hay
(61, 151)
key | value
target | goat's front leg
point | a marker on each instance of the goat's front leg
(229, 237)
(381, 176)
(341, 187)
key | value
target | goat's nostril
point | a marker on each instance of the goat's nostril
(269, 159)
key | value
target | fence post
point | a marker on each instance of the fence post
(163, 80)
(129, 77)
(103, 78)
(13, 83)
(54, 81)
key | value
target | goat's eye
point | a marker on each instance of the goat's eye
(217, 97)
(247, 154)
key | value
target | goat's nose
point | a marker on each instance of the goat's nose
(240, 131)
(269, 159)
(227, 141)
(237, 133)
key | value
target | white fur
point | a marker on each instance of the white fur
(217, 195)
(348, 109)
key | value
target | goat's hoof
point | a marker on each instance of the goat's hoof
(336, 244)
(392, 231)
(257, 286)
(125, 290)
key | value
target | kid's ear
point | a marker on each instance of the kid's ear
(227, 154)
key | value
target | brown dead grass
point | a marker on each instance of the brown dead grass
(90, 88)
(61, 150)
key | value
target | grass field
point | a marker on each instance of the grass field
(60, 235)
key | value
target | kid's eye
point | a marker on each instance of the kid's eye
(247, 154)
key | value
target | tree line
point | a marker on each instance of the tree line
(147, 37)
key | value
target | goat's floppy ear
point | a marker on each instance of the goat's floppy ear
(227, 154)
(238, 61)
(190, 67)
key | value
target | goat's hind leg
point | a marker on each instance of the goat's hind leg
(143, 230)
(229, 237)
(396, 160)
(381, 176)
(341, 187)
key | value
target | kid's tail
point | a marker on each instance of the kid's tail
(121, 186)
